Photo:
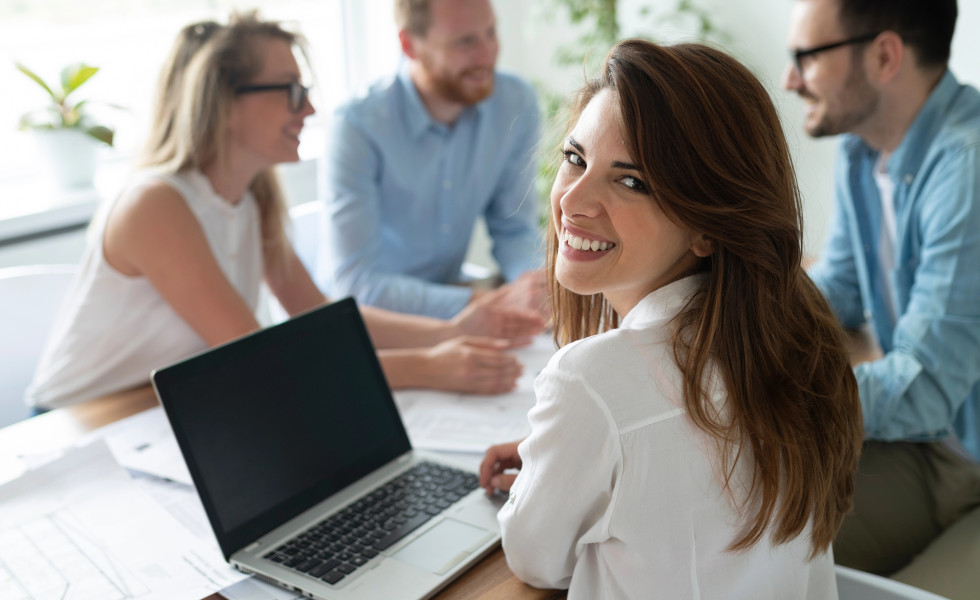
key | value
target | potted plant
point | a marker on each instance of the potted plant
(66, 133)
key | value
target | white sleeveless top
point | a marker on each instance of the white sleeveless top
(114, 329)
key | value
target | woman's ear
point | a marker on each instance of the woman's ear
(701, 246)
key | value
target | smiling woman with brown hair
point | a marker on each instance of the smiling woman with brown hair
(697, 434)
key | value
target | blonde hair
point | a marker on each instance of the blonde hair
(197, 84)
(414, 16)
(707, 139)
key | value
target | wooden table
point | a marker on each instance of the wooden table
(490, 579)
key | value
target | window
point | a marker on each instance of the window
(129, 39)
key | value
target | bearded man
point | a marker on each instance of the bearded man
(420, 157)
(902, 256)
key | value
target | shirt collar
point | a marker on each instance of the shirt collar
(416, 115)
(664, 303)
(907, 158)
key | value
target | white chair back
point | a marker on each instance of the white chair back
(857, 585)
(306, 233)
(30, 297)
(305, 219)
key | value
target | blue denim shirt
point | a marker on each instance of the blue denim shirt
(927, 385)
(403, 192)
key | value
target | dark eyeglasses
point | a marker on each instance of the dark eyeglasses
(799, 55)
(298, 92)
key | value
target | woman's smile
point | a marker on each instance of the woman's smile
(580, 245)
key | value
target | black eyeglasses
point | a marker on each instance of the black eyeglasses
(799, 55)
(298, 93)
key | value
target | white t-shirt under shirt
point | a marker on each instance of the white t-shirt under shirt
(620, 495)
(114, 329)
(887, 235)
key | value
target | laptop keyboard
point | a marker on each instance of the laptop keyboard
(340, 544)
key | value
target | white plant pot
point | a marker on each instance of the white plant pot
(71, 156)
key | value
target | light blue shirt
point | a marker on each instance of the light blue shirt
(403, 193)
(928, 383)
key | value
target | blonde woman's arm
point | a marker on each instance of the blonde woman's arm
(416, 351)
(152, 233)
(294, 288)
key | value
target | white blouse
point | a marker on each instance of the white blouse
(113, 329)
(620, 495)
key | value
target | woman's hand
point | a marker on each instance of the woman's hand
(498, 459)
(472, 365)
(494, 314)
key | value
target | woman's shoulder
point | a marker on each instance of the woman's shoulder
(615, 349)
(149, 214)
(149, 198)
(161, 194)
(632, 372)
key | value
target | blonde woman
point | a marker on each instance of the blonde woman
(176, 263)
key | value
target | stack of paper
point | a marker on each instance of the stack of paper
(79, 528)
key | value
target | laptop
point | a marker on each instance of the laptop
(305, 469)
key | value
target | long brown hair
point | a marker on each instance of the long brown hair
(707, 138)
(197, 83)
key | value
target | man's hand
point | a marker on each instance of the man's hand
(498, 459)
(496, 313)
(530, 292)
(473, 365)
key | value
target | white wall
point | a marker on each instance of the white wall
(529, 34)
(757, 29)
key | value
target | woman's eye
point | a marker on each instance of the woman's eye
(573, 158)
(634, 184)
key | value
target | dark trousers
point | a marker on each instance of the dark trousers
(907, 496)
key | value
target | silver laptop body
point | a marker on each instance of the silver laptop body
(288, 430)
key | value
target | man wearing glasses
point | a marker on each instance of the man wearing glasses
(903, 254)
(414, 163)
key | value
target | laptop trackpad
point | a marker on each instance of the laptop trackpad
(444, 546)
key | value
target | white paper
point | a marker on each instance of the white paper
(11, 467)
(183, 504)
(144, 442)
(464, 423)
(80, 529)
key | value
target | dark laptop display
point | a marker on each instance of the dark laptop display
(258, 463)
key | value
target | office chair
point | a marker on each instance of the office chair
(305, 237)
(857, 585)
(306, 233)
(30, 297)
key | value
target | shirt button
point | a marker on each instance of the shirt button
(447, 184)
(908, 178)
(446, 229)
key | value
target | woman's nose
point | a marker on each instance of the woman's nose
(580, 197)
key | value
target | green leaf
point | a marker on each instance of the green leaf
(36, 79)
(101, 133)
(74, 75)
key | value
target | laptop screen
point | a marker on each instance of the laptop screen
(274, 422)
